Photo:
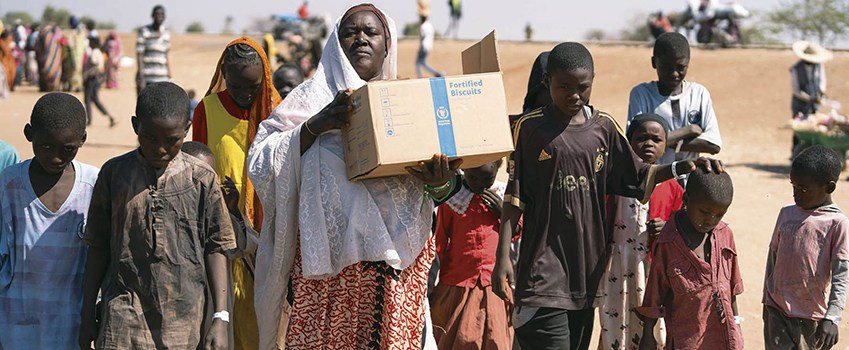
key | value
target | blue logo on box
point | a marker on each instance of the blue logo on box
(442, 112)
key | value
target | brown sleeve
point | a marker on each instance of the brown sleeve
(513, 193)
(218, 228)
(98, 231)
(627, 175)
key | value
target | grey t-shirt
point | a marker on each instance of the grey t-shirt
(692, 106)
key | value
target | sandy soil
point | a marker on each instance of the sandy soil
(750, 91)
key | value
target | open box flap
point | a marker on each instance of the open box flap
(482, 57)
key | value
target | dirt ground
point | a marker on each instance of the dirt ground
(750, 91)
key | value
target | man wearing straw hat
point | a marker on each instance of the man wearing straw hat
(807, 78)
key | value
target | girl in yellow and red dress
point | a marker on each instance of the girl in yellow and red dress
(240, 96)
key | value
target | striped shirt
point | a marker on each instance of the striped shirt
(42, 261)
(153, 47)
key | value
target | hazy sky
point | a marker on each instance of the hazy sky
(553, 20)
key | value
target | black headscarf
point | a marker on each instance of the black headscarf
(535, 84)
(642, 118)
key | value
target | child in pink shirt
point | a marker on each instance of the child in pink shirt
(809, 251)
(694, 276)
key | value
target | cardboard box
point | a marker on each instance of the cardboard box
(396, 124)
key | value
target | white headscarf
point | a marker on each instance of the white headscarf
(308, 201)
(333, 74)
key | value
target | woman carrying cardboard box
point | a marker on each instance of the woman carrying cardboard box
(357, 253)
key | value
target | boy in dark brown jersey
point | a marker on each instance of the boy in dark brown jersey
(568, 157)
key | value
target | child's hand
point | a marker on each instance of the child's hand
(654, 226)
(694, 130)
(502, 278)
(826, 335)
(231, 195)
(88, 332)
(492, 201)
(712, 165)
(216, 337)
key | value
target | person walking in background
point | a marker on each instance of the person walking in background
(152, 48)
(76, 50)
(7, 59)
(454, 23)
(304, 10)
(29, 51)
(659, 24)
(93, 79)
(48, 53)
(808, 82)
(426, 34)
(114, 52)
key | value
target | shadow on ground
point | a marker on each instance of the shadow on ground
(778, 171)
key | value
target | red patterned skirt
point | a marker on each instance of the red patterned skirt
(368, 305)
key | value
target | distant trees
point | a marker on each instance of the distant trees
(11, 16)
(819, 20)
(595, 35)
(57, 16)
(195, 27)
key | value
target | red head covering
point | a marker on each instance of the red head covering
(376, 12)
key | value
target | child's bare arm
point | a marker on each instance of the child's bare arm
(503, 267)
(680, 134)
(664, 172)
(699, 145)
(216, 271)
(97, 262)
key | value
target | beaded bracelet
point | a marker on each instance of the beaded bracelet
(428, 192)
(440, 188)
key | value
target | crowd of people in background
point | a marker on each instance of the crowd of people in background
(76, 59)
(250, 236)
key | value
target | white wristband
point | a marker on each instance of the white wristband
(675, 172)
(738, 319)
(222, 315)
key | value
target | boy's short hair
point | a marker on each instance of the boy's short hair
(711, 186)
(569, 56)
(671, 45)
(163, 100)
(58, 111)
(196, 149)
(821, 163)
